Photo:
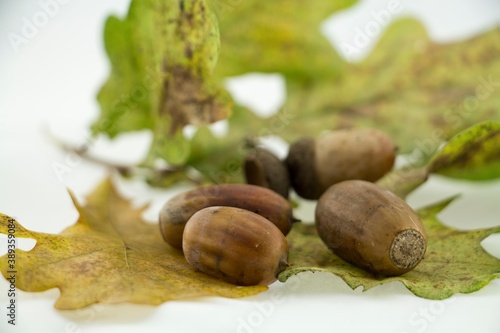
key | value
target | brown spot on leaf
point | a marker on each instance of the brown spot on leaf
(187, 102)
(467, 154)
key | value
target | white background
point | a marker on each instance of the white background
(49, 86)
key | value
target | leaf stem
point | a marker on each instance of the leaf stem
(154, 175)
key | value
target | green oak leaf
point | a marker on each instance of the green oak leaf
(419, 92)
(454, 262)
(278, 36)
(162, 59)
(471, 154)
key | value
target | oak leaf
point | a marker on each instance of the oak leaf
(162, 56)
(472, 154)
(454, 262)
(406, 80)
(280, 36)
(110, 255)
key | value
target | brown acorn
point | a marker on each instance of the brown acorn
(370, 227)
(263, 168)
(179, 209)
(235, 245)
(315, 164)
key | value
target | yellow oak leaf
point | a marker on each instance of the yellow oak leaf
(110, 255)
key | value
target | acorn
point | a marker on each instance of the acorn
(263, 168)
(235, 245)
(370, 227)
(179, 209)
(315, 164)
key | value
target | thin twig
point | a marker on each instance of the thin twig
(154, 175)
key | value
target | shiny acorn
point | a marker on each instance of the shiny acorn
(315, 164)
(370, 227)
(179, 209)
(235, 245)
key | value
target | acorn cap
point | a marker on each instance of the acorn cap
(301, 166)
(263, 168)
